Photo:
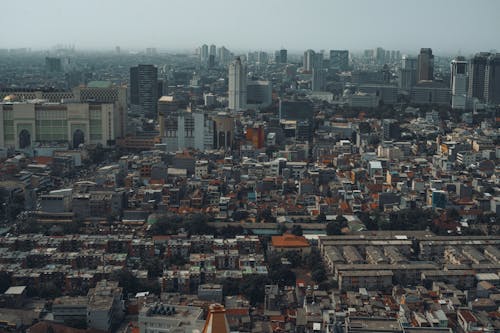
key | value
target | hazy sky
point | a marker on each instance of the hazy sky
(447, 26)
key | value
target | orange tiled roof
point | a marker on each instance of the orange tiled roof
(289, 240)
(43, 160)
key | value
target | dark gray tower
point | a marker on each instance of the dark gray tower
(425, 66)
(144, 89)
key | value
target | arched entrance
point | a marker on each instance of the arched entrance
(24, 139)
(78, 138)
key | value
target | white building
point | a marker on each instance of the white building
(459, 80)
(183, 129)
(105, 305)
(237, 93)
(164, 318)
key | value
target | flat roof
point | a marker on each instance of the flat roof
(16, 290)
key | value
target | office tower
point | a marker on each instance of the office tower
(44, 122)
(144, 89)
(339, 59)
(280, 56)
(211, 61)
(204, 53)
(477, 70)
(425, 65)
(408, 72)
(308, 60)
(259, 94)
(262, 58)
(224, 56)
(379, 54)
(318, 79)
(492, 80)
(391, 129)
(459, 82)
(53, 65)
(237, 85)
(213, 51)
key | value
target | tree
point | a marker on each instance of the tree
(4, 282)
(453, 214)
(321, 218)
(197, 225)
(332, 228)
(240, 215)
(319, 275)
(154, 267)
(297, 230)
(127, 281)
(266, 215)
(253, 288)
(50, 290)
(335, 227)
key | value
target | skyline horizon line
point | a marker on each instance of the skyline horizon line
(238, 50)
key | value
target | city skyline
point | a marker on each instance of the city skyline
(185, 25)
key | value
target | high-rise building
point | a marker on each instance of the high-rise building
(53, 64)
(259, 94)
(204, 53)
(318, 79)
(425, 65)
(339, 59)
(224, 56)
(262, 58)
(391, 129)
(459, 80)
(212, 51)
(281, 56)
(144, 89)
(379, 54)
(492, 80)
(477, 70)
(309, 59)
(237, 93)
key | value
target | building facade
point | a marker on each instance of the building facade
(23, 124)
(459, 81)
(237, 93)
(144, 89)
(425, 65)
(492, 80)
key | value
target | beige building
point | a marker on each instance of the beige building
(25, 124)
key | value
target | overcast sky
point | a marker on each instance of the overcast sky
(447, 26)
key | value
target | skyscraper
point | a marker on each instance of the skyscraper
(477, 70)
(318, 79)
(408, 72)
(492, 80)
(204, 53)
(425, 66)
(237, 85)
(224, 56)
(280, 56)
(213, 50)
(339, 59)
(309, 59)
(459, 83)
(144, 89)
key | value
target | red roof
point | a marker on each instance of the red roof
(289, 240)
